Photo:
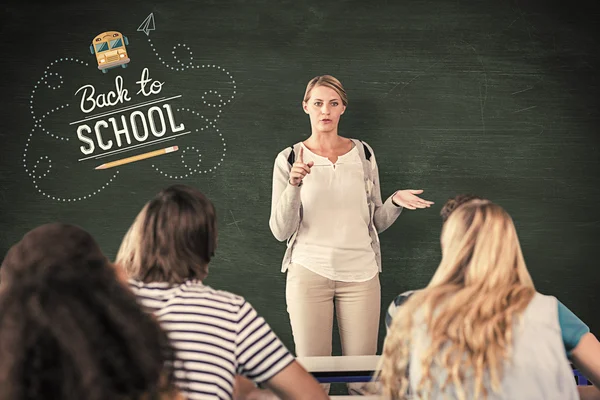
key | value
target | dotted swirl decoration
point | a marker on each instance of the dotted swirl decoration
(210, 98)
(42, 166)
(54, 81)
(47, 79)
(191, 171)
(182, 65)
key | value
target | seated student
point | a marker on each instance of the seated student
(479, 329)
(70, 330)
(581, 346)
(447, 209)
(217, 335)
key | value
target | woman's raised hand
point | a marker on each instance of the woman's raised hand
(299, 169)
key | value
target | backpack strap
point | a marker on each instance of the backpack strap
(365, 157)
(292, 157)
(367, 151)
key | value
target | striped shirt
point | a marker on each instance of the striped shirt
(216, 335)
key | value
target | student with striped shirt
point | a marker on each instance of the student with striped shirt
(216, 335)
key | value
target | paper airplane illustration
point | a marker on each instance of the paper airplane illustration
(147, 25)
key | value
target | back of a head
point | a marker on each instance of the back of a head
(469, 306)
(453, 203)
(480, 247)
(172, 239)
(56, 247)
(69, 329)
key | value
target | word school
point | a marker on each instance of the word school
(137, 125)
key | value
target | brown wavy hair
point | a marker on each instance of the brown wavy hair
(480, 287)
(172, 239)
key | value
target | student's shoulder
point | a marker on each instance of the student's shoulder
(235, 303)
(543, 301)
(155, 287)
(221, 295)
(395, 304)
(572, 328)
(402, 297)
(133, 284)
(548, 310)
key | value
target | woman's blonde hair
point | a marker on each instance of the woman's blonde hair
(172, 239)
(327, 81)
(480, 287)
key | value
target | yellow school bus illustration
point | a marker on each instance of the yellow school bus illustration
(109, 48)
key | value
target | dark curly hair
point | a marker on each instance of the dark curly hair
(70, 329)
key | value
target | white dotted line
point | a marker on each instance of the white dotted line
(191, 170)
(47, 170)
(191, 65)
(25, 153)
(219, 98)
(73, 199)
(212, 169)
(39, 123)
(182, 65)
(35, 178)
(208, 123)
(47, 73)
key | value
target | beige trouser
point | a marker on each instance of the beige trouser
(310, 299)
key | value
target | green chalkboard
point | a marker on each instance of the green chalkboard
(492, 98)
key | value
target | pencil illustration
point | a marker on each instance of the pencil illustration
(138, 157)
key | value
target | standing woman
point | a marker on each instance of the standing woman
(327, 204)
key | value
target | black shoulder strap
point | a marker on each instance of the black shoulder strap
(367, 152)
(291, 157)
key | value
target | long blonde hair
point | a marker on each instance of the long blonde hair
(480, 287)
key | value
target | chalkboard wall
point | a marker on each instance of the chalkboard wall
(495, 98)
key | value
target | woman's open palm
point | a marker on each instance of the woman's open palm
(408, 199)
